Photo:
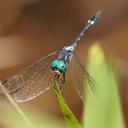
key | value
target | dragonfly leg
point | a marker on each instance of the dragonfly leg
(62, 83)
(4, 81)
(56, 76)
(63, 80)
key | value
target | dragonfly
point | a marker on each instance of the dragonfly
(37, 78)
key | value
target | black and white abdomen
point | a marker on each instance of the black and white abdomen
(66, 54)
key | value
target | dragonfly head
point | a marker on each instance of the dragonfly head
(58, 66)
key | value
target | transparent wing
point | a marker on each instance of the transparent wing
(33, 80)
(81, 77)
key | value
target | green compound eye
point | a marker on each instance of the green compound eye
(59, 65)
(62, 65)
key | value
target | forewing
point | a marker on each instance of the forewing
(82, 79)
(33, 80)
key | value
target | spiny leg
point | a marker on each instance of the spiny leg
(56, 76)
(63, 80)
(4, 81)
(62, 83)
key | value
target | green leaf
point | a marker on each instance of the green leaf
(11, 119)
(103, 108)
(69, 117)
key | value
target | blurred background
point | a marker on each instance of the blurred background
(30, 29)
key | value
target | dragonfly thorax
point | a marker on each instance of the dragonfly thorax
(66, 54)
(58, 66)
